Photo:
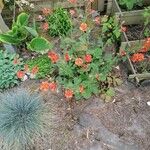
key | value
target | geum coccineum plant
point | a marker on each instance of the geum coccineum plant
(82, 67)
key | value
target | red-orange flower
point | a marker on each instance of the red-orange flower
(46, 11)
(97, 20)
(137, 57)
(81, 89)
(53, 56)
(44, 86)
(53, 86)
(67, 58)
(68, 93)
(123, 29)
(91, 11)
(72, 1)
(83, 27)
(16, 61)
(20, 74)
(72, 12)
(79, 62)
(88, 58)
(35, 70)
(45, 26)
(147, 44)
(85, 66)
(143, 50)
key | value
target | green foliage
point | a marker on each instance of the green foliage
(110, 30)
(18, 33)
(40, 45)
(22, 119)
(91, 74)
(8, 69)
(22, 33)
(44, 65)
(59, 22)
(130, 4)
(146, 16)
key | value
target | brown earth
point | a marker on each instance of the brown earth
(123, 124)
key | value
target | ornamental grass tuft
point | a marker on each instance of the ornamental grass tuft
(22, 119)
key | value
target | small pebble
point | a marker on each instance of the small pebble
(148, 103)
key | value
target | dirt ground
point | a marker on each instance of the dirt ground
(123, 124)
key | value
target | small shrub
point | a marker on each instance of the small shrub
(59, 22)
(44, 65)
(10, 64)
(21, 119)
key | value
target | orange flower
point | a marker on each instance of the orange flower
(45, 26)
(143, 50)
(44, 86)
(137, 57)
(83, 27)
(97, 20)
(91, 11)
(35, 70)
(147, 44)
(79, 62)
(53, 86)
(16, 61)
(68, 93)
(123, 29)
(20, 74)
(46, 11)
(88, 58)
(72, 1)
(67, 58)
(81, 89)
(53, 56)
(72, 12)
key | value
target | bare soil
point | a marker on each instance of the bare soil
(123, 124)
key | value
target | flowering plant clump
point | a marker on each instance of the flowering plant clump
(82, 67)
(141, 57)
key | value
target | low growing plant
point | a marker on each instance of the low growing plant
(130, 4)
(22, 119)
(83, 67)
(10, 64)
(22, 33)
(44, 66)
(59, 22)
(111, 30)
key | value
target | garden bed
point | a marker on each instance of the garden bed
(64, 87)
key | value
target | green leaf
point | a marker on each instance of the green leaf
(5, 38)
(22, 19)
(40, 45)
(32, 31)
